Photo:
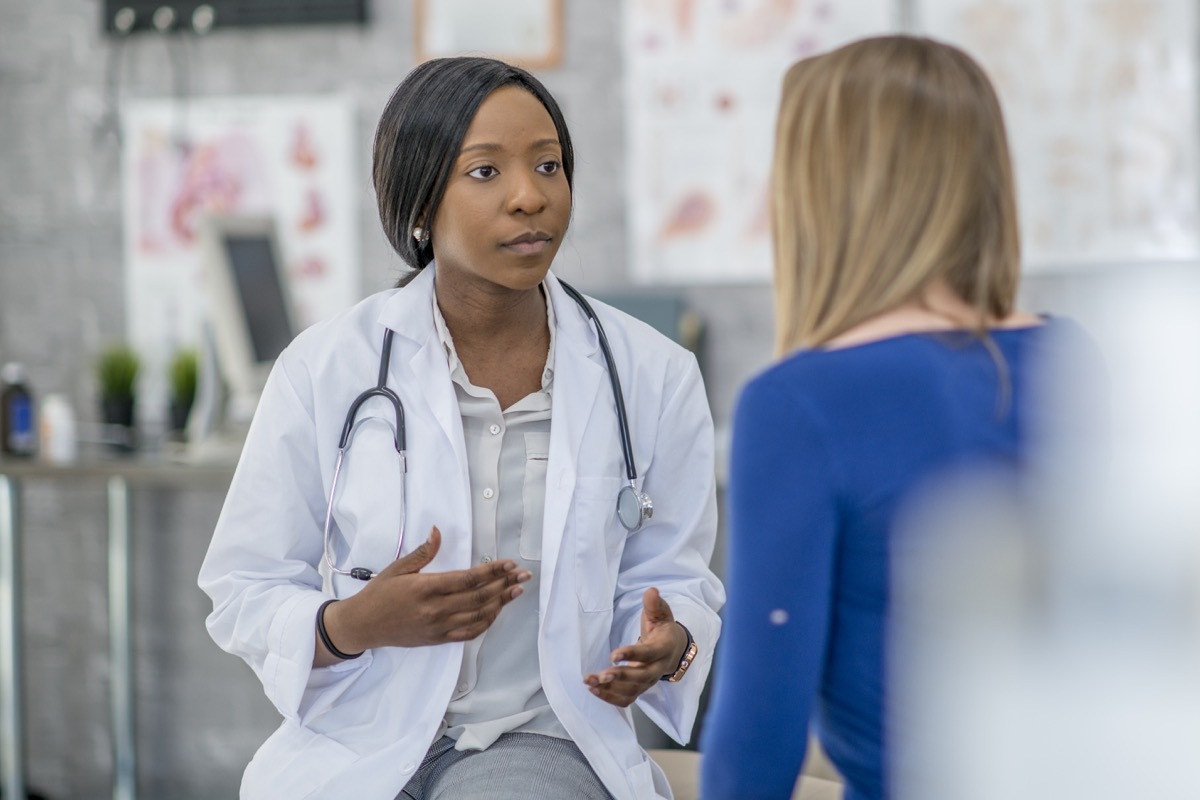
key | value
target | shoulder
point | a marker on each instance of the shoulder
(328, 334)
(633, 332)
(339, 339)
(840, 390)
(808, 375)
(787, 424)
(644, 356)
(793, 388)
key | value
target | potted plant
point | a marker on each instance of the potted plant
(117, 371)
(183, 371)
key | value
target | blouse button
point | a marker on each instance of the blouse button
(495, 429)
(488, 494)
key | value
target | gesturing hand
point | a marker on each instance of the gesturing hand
(637, 667)
(404, 607)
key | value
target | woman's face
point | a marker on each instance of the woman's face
(507, 204)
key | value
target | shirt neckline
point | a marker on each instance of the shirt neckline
(1045, 321)
(458, 372)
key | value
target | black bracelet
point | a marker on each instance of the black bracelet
(324, 634)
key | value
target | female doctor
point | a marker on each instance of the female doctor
(472, 520)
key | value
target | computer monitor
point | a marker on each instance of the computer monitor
(249, 304)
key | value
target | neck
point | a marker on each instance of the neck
(937, 309)
(490, 317)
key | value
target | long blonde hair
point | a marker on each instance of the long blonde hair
(891, 170)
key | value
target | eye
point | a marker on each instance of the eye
(483, 173)
(549, 168)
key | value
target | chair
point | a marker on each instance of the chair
(819, 780)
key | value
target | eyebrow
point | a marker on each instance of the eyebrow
(492, 148)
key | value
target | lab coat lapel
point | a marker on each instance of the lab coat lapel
(410, 314)
(579, 381)
(439, 396)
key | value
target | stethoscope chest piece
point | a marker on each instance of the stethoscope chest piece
(633, 508)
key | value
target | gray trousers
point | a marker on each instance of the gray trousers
(518, 766)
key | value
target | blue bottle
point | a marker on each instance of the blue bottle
(17, 427)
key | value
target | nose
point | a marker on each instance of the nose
(526, 194)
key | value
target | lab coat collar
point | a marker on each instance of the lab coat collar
(409, 313)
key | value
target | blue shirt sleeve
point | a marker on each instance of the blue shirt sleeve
(783, 523)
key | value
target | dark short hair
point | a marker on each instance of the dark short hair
(421, 132)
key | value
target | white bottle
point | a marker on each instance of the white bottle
(56, 429)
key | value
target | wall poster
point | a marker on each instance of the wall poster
(290, 157)
(1100, 97)
(702, 90)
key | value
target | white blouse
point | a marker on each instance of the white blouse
(499, 687)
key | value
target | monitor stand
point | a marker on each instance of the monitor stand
(219, 420)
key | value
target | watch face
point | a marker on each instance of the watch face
(629, 508)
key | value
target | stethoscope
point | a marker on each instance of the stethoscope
(633, 507)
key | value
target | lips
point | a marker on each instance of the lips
(528, 238)
(528, 244)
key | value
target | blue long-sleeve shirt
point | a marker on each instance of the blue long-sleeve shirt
(826, 447)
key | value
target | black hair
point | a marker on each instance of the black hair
(419, 137)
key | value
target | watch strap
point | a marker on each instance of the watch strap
(689, 655)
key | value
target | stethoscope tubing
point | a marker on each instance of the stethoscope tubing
(614, 378)
(399, 440)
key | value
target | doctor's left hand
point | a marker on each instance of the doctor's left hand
(638, 667)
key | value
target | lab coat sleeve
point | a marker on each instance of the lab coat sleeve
(260, 570)
(673, 550)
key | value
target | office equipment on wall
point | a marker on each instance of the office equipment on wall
(164, 16)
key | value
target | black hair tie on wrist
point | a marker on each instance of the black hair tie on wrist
(324, 634)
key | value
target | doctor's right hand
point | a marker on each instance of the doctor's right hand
(404, 607)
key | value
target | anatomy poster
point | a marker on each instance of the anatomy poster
(292, 158)
(702, 90)
(1100, 99)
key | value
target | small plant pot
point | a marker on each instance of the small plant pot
(179, 419)
(118, 418)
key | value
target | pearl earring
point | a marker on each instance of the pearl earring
(419, 234)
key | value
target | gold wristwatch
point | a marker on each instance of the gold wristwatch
(689, 655)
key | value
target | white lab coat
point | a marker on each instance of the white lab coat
(360, 728)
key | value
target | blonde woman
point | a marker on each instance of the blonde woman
(900, 356)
